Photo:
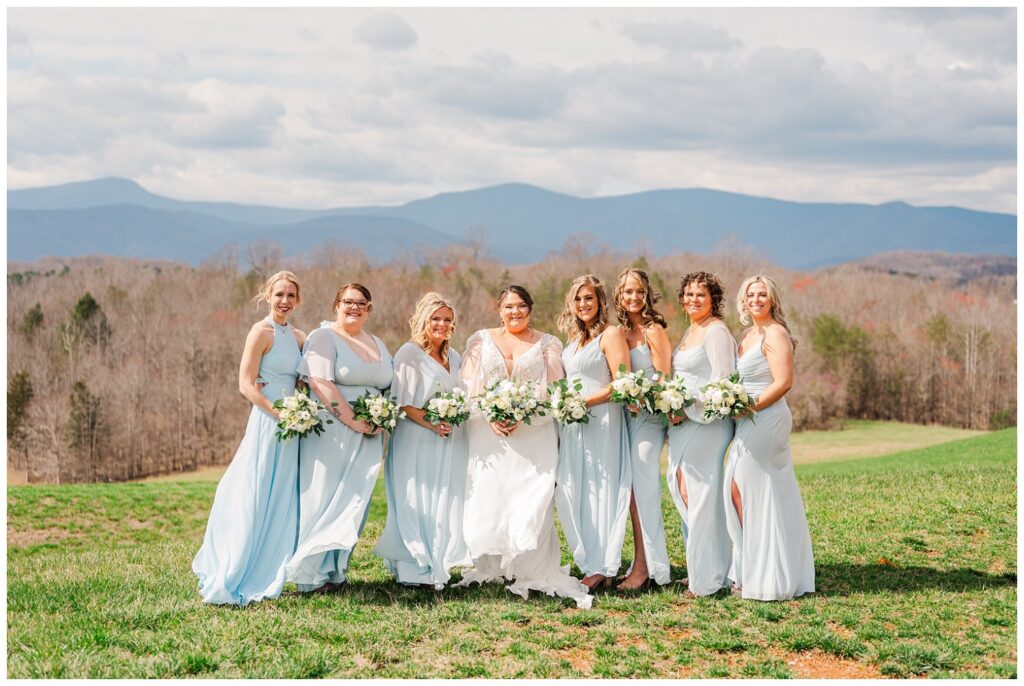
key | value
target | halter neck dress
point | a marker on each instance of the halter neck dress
(772, 555)
(254, 519)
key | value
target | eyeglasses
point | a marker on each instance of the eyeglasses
(521, 307)
(355, 304)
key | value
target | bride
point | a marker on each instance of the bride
(509, 506)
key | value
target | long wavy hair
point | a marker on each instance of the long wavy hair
(574, 327)
(774, 297)
(419, 323)
(649, 314)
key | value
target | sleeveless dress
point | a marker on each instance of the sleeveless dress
(646, 439)
(697, 447)
(254, 520)
(772, 556)
(424, 478)
(593, 478)
(510, 489)
(338, 468)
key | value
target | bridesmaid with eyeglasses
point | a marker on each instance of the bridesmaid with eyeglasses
(338, 468)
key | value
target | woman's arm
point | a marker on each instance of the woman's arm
(419, 415)
(257, 343)
(616, 351)
(336, 404)
(661, 349)
(779, 353)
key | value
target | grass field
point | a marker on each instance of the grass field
(915, 555)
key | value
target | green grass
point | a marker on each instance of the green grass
(915, 555)
(870, 438)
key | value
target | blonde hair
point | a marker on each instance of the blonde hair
(774, 297)
(420, 321)
(649, 314)
(570, 324)
(268, 286)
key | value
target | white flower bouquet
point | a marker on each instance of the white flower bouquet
(380, 410)
(506, 400)
(568, 404)
(299, 416)
(451, 407)
(671, 396)
(726, 398)
(634, 388)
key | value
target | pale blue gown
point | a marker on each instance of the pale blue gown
(337, 469)
(646, 439)
(772, 555)
(697, 447)
(593, 478)
(254, 520)
(424, 478)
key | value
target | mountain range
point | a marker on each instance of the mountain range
(521, 223)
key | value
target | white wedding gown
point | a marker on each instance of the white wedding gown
(509, 507)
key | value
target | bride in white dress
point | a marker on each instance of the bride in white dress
(510, 490)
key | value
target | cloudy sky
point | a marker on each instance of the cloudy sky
(336, 107)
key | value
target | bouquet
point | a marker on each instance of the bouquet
(633, 388)
(726, 398)
(452, 407)
(380, 410)
(506, 400)
(568, 405)
(299, 416)
(671, 396)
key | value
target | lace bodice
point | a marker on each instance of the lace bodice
(483, 361)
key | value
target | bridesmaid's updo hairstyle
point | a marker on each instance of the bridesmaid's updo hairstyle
(355, 286)
(774, 297)
(419, 323)
(649, 314)
(571, 325)
(518, 290)
(268, 286)
(710, 282)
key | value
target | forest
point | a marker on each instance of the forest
(120, 369)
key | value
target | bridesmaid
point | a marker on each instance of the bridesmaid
(593, 476)
(696, 448)
(425, 473)
(254, 520)
(649, 349)
(338, 468)
(772, 556)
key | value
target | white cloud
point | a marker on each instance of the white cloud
(385, 31)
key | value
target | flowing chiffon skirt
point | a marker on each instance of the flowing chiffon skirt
(646, 439)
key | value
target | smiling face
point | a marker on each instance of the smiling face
(756, 300)
(633, 296)
(515, 313)
(696, 301)
(283, 298)
(439, 328)
(586, 304)
(353, 310)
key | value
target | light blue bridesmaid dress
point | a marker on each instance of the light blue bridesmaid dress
(646, 439)
(338, 468)
(772, 556)
(254, 520)
(424, 478)
(697, 447)
(593, 477)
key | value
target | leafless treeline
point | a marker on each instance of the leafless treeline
(140, 376)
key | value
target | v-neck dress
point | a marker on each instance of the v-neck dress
(338, 468)
(772, 555)
(594, 474)
(424, 479)
(254, 519)
(696, 447)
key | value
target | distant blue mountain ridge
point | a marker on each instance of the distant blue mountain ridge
(521, 223)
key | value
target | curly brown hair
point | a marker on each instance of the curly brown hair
(711, 282)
